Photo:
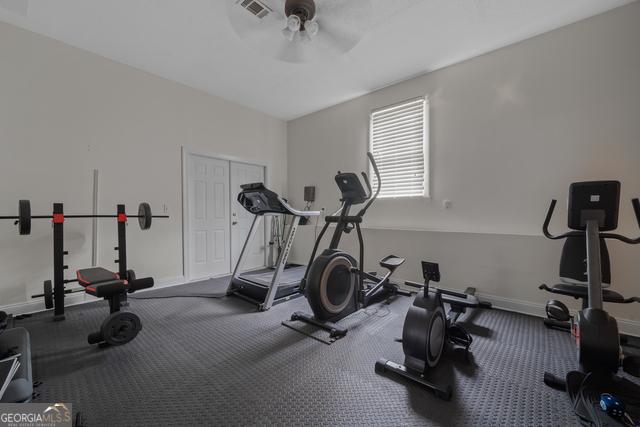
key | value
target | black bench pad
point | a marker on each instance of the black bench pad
(101, 282)
(138, 284)
(95, 275)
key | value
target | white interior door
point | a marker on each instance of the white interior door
(209, 216)
(242, 173)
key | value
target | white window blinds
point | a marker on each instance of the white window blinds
(398, 137)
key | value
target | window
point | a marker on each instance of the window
(398, 141)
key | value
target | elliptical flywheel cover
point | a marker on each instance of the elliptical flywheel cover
(331, 284)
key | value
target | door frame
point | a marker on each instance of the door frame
(187, 151)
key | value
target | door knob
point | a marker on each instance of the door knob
(234, 222)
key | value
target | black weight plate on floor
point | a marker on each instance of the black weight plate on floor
(24, 217)
(120, 328)
(48, 294)
(144, 216)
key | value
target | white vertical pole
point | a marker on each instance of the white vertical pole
(94, 225)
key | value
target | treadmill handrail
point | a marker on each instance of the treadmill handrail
(297, 212)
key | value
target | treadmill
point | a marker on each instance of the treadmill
(261, 288)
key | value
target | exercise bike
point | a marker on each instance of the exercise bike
(592, 212)
(335, 283)
(574, 283)
(427, 328)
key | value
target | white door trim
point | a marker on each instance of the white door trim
(186, 152)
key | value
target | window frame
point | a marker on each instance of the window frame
(426, 193)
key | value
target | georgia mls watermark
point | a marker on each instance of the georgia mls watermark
(35, 415)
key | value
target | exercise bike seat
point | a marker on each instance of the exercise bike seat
(582, 292)
(391, 262)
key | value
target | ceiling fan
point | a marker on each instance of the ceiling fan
(300, 31)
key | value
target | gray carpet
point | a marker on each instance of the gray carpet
(208, 288)
(202, 361)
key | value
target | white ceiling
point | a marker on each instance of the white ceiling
(192, 42)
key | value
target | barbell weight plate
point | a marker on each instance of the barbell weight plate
(120, 328)
(24, 217)
(48, 294)
(144, 216)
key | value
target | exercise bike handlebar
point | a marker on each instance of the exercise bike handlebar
(631, 241)
(374, 166)
(547, 220)
(625, 239)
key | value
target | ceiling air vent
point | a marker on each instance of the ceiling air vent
(256, 7)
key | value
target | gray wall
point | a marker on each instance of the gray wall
(64, 112)
(509, 130)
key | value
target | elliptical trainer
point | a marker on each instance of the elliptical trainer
(593, 210)
(335, 283)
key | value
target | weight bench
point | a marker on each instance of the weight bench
(120, 327)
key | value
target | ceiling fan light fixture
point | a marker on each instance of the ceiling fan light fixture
(301, 25)
(288, 34)
(304, 36)
(311, 28)
(294, 23)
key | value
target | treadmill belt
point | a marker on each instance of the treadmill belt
(289, 277)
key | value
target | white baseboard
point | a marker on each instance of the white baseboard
(37, 305)
(628, 327)
(514, 305)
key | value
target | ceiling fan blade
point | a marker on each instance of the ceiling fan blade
(385, 10)
(293, 52)
(338, 38)
(351, 12)
(343, 23)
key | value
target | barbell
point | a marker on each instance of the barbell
(48, 291)
(23, 220)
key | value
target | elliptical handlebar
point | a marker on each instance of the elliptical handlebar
(625, 239)
(365, 177)
(373, 197)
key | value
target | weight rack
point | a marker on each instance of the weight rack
(59, 253)
(54, 295)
